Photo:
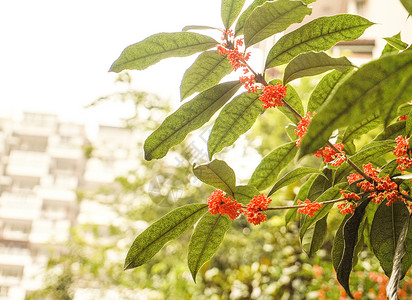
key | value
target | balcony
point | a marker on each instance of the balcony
(28, 163)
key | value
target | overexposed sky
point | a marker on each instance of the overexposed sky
(55, 55)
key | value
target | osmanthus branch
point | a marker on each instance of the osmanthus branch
(301, 205)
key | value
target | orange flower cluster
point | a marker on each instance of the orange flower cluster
(309, 208)
(403, 153)
(302, 127)
(348, 207)
(255, 207)
(220, 204)
(380, 188)
(330, 156)
(273, 95)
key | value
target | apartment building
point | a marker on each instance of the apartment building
(43, 163)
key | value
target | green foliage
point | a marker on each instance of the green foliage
(190, 116)
(141, 55)
(273, 17)
(368, 89)
(268, 170)
(236, 118)
(230, 10)
(205, 240)
(169, 227)
(218, 174)
(207, 71)
(386, 228)
(317, 35)
(324, 89)
(313, 63)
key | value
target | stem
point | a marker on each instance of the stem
(300, 206)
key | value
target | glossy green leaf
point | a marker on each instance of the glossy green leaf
(367, 91)
(301, 195)
(217, 173)
(308, 1)
(396, 275)
(207, 71)
(357, 130)
(364, 156)
(408, 5)
(270, 166)
(324, 89)
(396, 43)
(205, 241)
(385, 231)
(169, 227)
(313, 63)
(317, 35)
(245, 193)
(200, 27)
(330, 194)
(230, 10)
(245, 15)
(313, 238)
(159, 46)
(236, 118)
(350, 236)
(188, 117)
(273, 17)
(291, 177)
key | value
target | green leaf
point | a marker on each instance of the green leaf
(244, 193)
(291, 177)
(159, 46)
(350, 235)
(317, 35)
(205, 241)
(230, 10)
(408, 125)
(273, 17)
(408, 5)
(357, 130)
(207, 71)
(321, 184)
(339, 244)
(330, 194)
(391, 132)
(364, 156)
(367, 91)
(313, 63)
(245, 15)
(236, 118)
(270, 166)
(313, 238)
(386, 228)
(324, 89)
(169, 227)
(302, 194)
(389, 48)
(218, 174)
(293, 99)
(188, 117)
(396, 43)
(200, 27)
(396, 275)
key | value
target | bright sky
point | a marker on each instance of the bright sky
(55, 55)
